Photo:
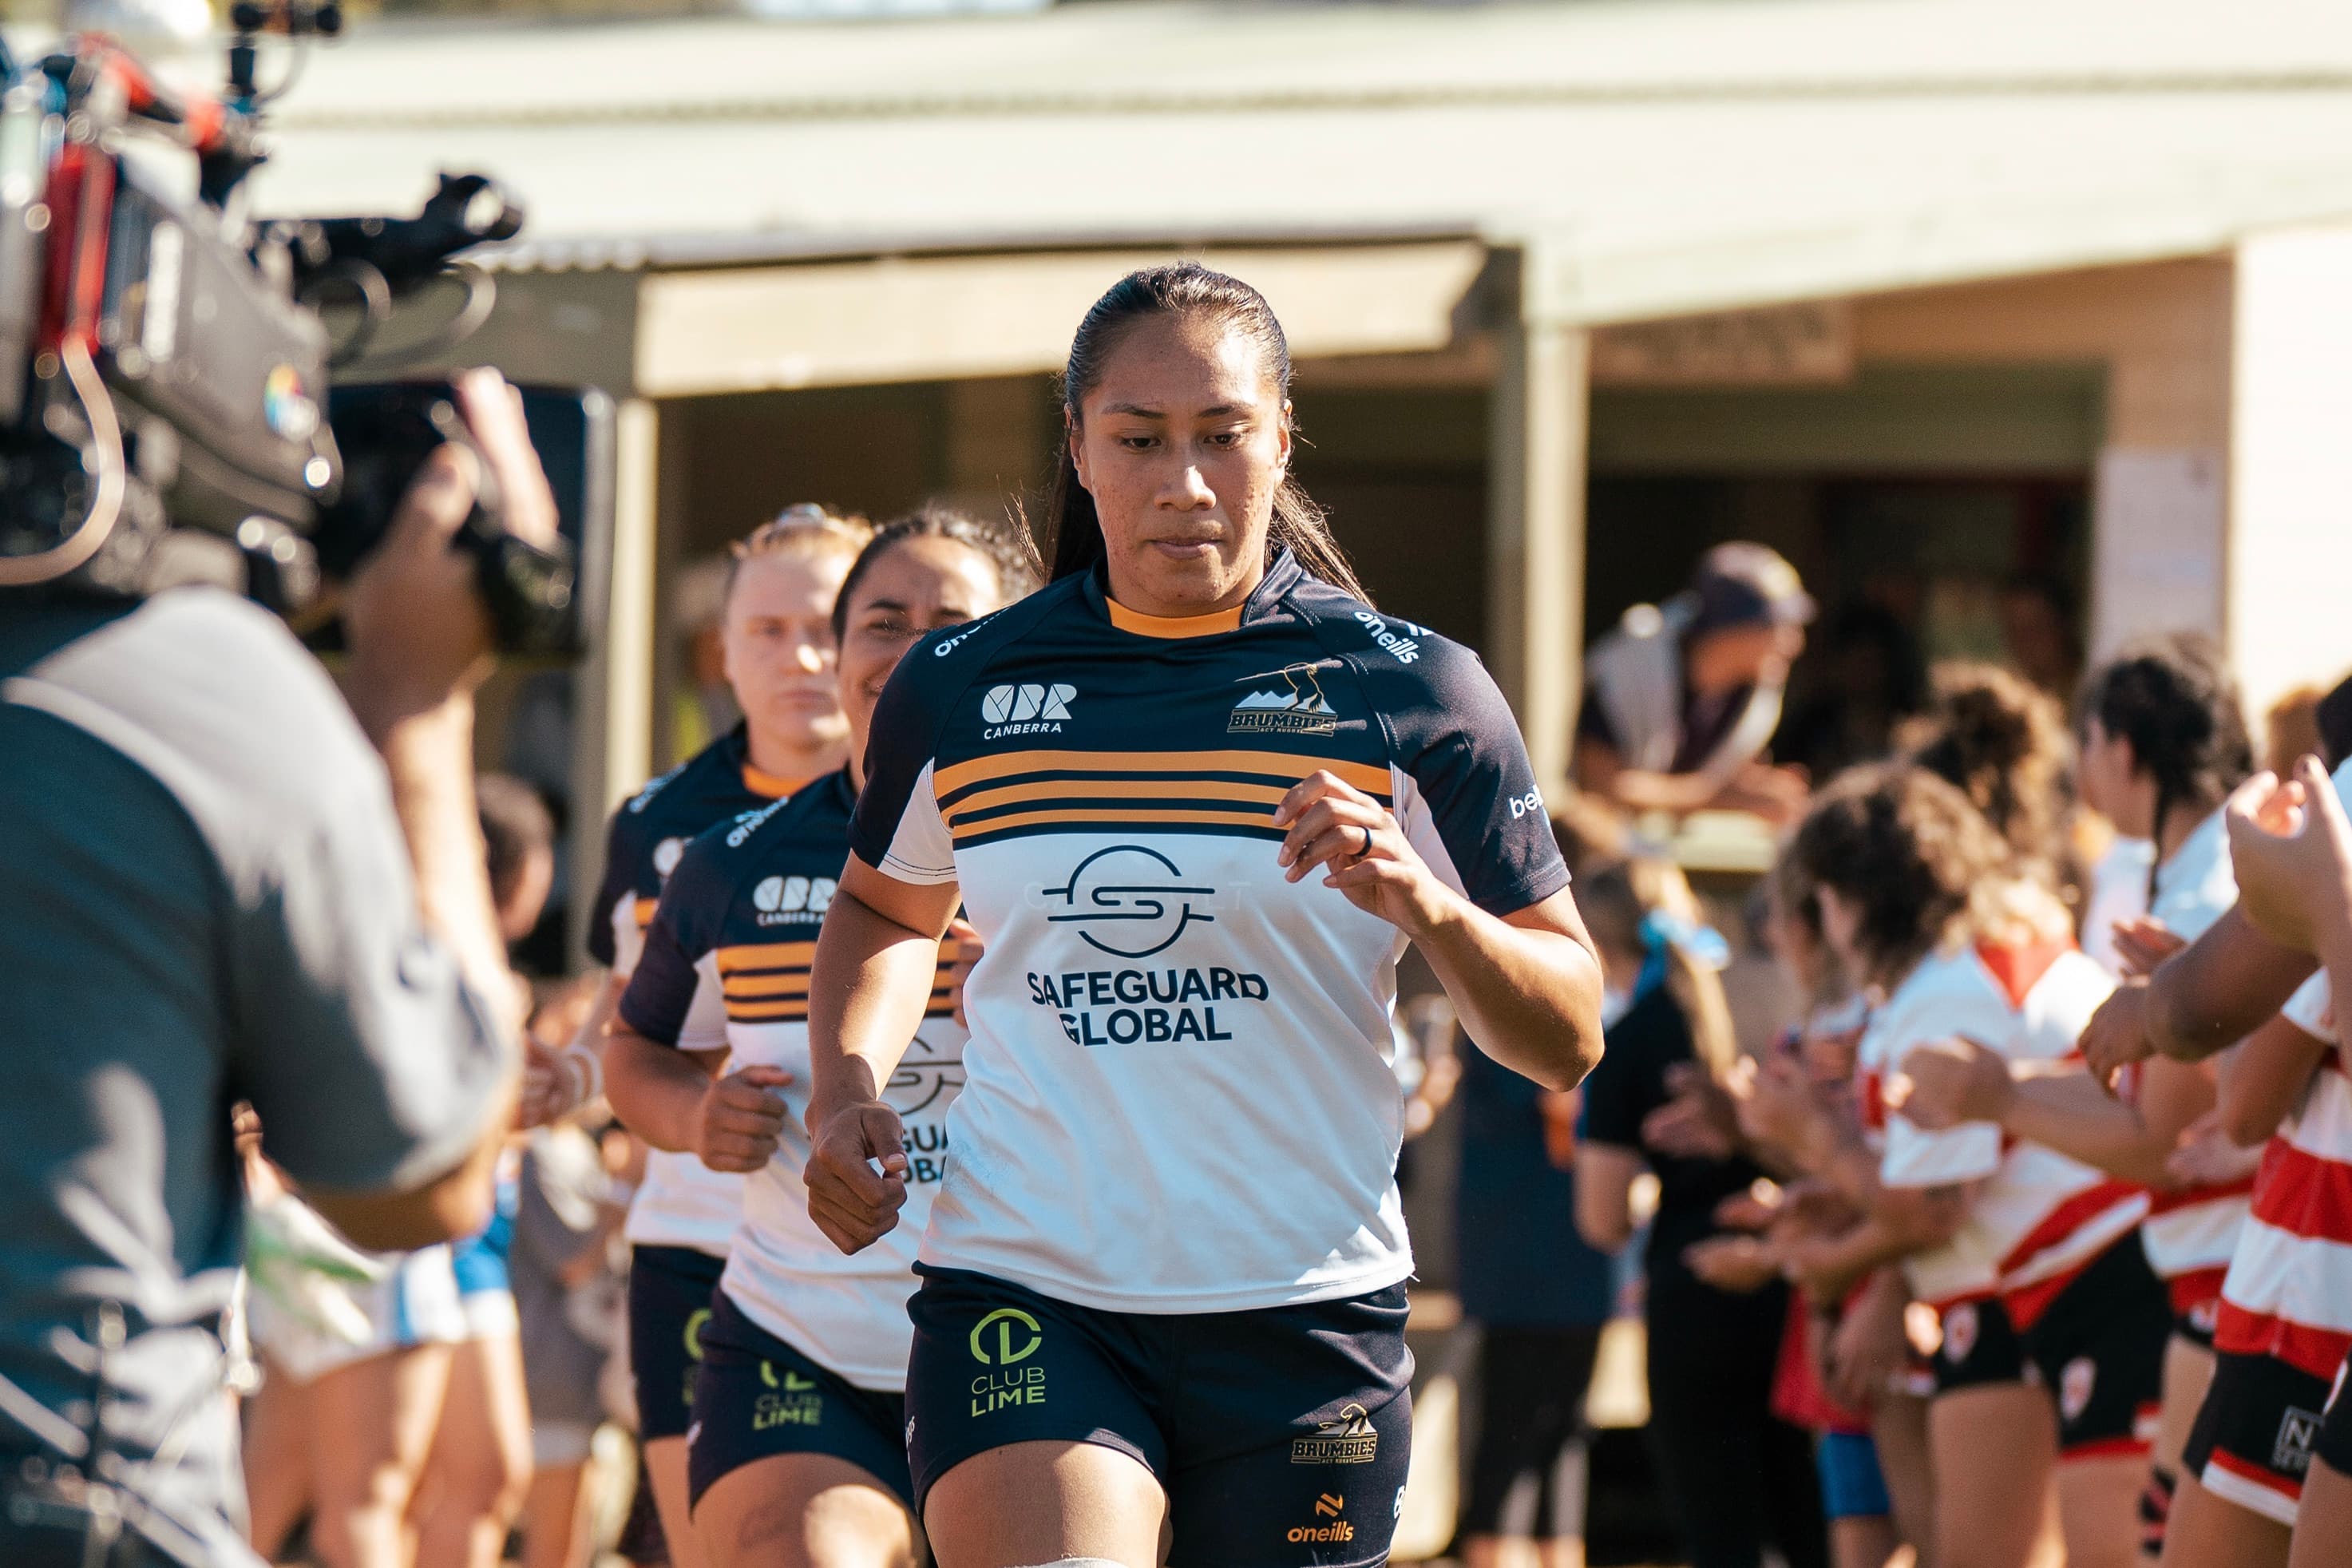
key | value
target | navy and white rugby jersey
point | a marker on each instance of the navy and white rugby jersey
(1180, 1096)
(726, 966)
(682, 1202)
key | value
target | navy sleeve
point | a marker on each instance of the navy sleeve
(1459, 743)
(897, 826)
(621, 856)
(661, 990)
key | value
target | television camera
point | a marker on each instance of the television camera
(165, 362)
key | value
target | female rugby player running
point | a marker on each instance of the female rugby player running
(797, 1454)
(777, 637)
(1196, 796)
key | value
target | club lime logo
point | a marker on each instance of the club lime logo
(1129, 901)
(794, 1403)
(694, 1327)
(1016, 1339)
(1002, 1339)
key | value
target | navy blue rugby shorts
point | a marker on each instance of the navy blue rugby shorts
(1281, 1435)
(755, 1396)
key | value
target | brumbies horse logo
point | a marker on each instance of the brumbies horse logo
(1297, 708)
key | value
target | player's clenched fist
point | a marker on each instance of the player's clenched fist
(742, 1119)
(857, 1174)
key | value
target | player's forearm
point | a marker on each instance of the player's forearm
(2221, 988)
(1834, 1264)
(429, 757)
(657, 1090)
(1530, 998)
(2263, 1080)
(2073, 1116)
(868, 988)
(2335, 934)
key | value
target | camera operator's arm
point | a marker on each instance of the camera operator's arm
(420, 643)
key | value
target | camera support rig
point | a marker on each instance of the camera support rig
(163, 366)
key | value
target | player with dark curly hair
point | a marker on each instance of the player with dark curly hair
(2053, 1326)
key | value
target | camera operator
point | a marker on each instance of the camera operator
(208, 901)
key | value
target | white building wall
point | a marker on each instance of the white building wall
(2288, 582)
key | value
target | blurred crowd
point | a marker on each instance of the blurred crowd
(1973, 1262)
(1925, 1275)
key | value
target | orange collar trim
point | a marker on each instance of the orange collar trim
(1145, 626)
(769, 785)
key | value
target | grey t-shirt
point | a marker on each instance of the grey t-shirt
(207, 899)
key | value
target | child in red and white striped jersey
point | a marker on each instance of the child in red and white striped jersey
(2034, 1259)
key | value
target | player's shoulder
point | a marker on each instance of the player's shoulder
(952, 656)
(944, 665)
(1950, 986)
(2072, 987)
(679, 803)
(1408, 665)
(717, 860)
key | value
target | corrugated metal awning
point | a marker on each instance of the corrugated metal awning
(1676, 157)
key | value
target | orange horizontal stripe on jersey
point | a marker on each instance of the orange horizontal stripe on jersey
(736, 985)
(767, 1012)
(1122, 789)
(1278, 765)
(766, 955)
(1142, 817)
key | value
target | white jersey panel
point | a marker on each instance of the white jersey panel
(2198, 884)
(1176, 985)
(848, 1313)
(683, 1202)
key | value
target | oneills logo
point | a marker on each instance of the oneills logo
(1326, 1506)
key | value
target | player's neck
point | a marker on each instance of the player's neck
(795, 763)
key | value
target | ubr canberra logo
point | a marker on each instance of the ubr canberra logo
(785, 901)
(1347, 1438)
(1294, 706)
(1025, 710)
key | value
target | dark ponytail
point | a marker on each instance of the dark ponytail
(1073, 540)
(2172, 697)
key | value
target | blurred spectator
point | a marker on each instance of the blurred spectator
(1735, 1477)
(703, 707)
(2004, 743)
(1540, 1295)
(1682, 699)
(1869, 677)
(2292, 726)
(568, 1293)
(2038, 633)
(480, 1463)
